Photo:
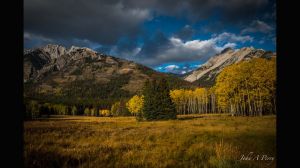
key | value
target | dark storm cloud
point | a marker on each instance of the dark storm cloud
(213, 27)
(99, 21)
(116, 27)
(153, 46)
(31, 40)
(258, 26)
(103, 49)
(105, 21)
(185, 33)
(237, 10)
(232, 10)
(126, 47)
(165, 7)
(229, 10)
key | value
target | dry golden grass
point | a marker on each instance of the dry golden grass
(201, 141)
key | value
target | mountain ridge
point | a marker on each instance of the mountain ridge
(79, 73)
(206, 74)
(54, 71)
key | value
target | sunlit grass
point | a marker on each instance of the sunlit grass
(201, 141)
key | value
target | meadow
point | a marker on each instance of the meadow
(190, 142)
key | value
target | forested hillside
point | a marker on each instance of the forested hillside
(79, 81)
(59, 79)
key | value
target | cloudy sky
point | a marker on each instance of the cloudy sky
(168, 35)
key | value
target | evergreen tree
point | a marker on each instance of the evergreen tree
(166, 109)
(157, 101)
(148, 108)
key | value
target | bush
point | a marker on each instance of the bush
(105, 113)
(87, 112)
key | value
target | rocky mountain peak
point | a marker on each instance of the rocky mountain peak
(87, 52)
(207, 73)
(247, 48)
(84, 73)
(54, 51)
(76, 48)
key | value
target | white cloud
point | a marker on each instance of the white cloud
(231, 45)
(178, 50)
(171, 67)
(182, 51)
(196, 66)
(176, 41)
(196, 44)
(197, 49)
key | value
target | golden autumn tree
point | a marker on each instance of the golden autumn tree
(196, 101)
(177, 97)
(105, 112)
(201, 99)
(247, 88)
(135, 104)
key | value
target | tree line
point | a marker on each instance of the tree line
(155, 103)
(198, 101)
(247, 88)
(36, 109)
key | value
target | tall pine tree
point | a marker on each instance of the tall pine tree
(166, 107)
(157, 101)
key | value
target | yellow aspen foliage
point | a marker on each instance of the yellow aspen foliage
(191, 101)
(105, 112)
(247, 88)
(135, 104)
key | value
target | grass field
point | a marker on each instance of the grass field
(190, 141)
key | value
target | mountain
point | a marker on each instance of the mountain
(54, 73)
(206, 74)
